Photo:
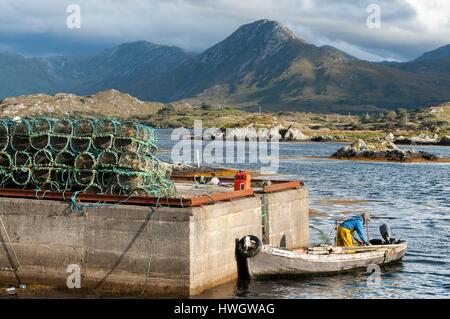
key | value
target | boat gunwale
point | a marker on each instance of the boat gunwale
(334, 256)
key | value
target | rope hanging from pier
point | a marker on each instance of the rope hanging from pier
(87, 155)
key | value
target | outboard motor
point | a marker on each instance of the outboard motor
(386, 233)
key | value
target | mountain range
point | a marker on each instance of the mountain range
(262, 64)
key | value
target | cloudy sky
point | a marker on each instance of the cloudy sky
(408, 27)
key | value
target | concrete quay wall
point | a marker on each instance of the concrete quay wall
(156, 251)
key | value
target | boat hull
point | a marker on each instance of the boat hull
(277, 262)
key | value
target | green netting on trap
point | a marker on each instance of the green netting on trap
(4, 135)
(83, 155)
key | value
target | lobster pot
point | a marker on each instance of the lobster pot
(59, 142)
(22, 159)
(4, 177)
(80, 144)
(106, 178)
(140, 133)
(40, 142)
(40, 129)
(106, 127)
(49, 186)
(20, 142)
(148, 136)
(62, 127)
(129, 129)
(165, 187)
(104, 132)
(63, 177)
(41, 126)
(83, 128)
(93, 189)
(157, 169)
(87, 155)
(62, 131)
(43, 158)
(84, 161)
(103, 142)
(21, 176)
(115, 189)
(126, 144)
(65, 159)
(134, 161)
(20, 135)
(142, 191)
(107, 159)
(157, 189)
(84, 177)
(42, 175)
(5, 160)
(21, 127)
(130, 180)
(4, 135)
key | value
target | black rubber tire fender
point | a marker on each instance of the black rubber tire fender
(251, 252)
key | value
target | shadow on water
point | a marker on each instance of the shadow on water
(353, 284)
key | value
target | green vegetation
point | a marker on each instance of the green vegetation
(370, 126)
(178, 115)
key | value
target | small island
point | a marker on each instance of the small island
(383, 151)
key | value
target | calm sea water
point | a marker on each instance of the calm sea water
(413, 198)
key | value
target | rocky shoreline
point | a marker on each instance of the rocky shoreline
(292, 134)
(423, 140)
(384, 151)
(278, 133)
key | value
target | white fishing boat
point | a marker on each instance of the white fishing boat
(265, 260)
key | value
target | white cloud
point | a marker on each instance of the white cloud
(409, 27)
(433, 14)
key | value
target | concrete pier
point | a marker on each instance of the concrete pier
(157, 251)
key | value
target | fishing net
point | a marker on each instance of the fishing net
(43, 158)
(107, 159)
(5, 160)
(84, 155)
(4, 135)
(65, 159)
(21, 176)
(22, 159)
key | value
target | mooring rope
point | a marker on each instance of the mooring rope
(152, 243)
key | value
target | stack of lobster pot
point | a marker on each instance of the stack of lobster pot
(82, 155)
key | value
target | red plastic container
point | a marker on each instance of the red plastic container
(242, 180)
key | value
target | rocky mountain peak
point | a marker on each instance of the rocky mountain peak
(253, 42)
(266, 29)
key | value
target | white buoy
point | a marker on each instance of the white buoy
(214, 181)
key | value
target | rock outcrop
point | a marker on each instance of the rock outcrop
(249, 133)
(111, 103)
(445, 141)
(421, 139)
(381, 151)
(293, 134)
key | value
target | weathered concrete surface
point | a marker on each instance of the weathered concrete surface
(287, 221)
(179, 251)
(163, 251)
